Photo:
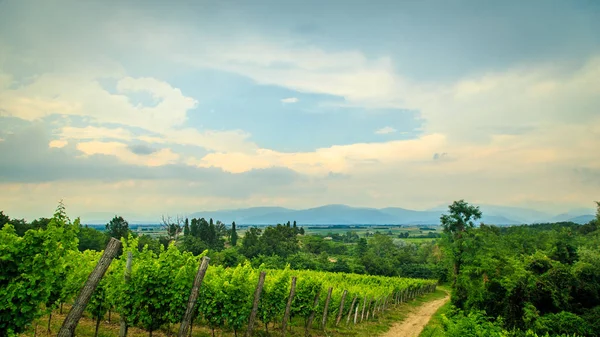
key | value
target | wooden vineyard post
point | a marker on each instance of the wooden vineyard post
(124, 328)
(324, 321)
(288, 307)
(341, 311)
(355, 314)
(362, 314)
(351, 309)
(189, 311)
(257, 292)
(368, 308)
(312, 313)
(68, 327)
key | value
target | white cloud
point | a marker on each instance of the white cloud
(58, 143)
(93, 132)
(385, 130)
(78, 95)
(338, 159)
(290, 100)
(512, 135)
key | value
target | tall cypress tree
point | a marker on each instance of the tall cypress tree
(234, 235)
(186, 228)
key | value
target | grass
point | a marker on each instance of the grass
(372, 327)
(434, 328)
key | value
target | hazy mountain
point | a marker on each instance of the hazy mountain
(582, 219)
(507, 214)
(338, 214)
(329, 214)
(411, 216)
(242, 215)
(343, 215)
(575, 213)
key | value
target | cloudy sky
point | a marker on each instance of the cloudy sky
(150, 107)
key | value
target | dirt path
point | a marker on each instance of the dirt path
(416, 321)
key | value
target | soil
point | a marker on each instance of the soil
(416, 321)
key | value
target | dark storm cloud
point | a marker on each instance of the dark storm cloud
(141, 149)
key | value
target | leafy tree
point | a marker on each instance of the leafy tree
(90, 238)
(234, 236)
(220, 230)
(314, 244)
(20, 225)
(194, 228)
(251, 245)
(341, 266)
(40, 223)
(4, 219)
(144, 240)
(279, 240)
(227, 258)
(457, 225)
(361, 247)
(193, 245)
(118, 228)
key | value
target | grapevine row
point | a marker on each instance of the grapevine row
(158, 288)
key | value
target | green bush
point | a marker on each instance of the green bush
(474, 324)
(563, 323)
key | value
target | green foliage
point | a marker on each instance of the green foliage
(461, 218)
(306, 290)
(32, 269)
(251, 245)
(117, 228)
(563, 323)
(209, 233)
(274, 296)
(153, 245)
(159, 287)
(21, 226)
(544, 278)
(474, 324)
(90, 238)
(227, 258)
(186, 227)
(98, 304)
(279, 240)
(234, 235)
(193, 244)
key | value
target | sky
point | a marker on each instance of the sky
(154, 107)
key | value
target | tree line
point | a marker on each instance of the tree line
(540, 279)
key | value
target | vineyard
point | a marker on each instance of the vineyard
(42, 270)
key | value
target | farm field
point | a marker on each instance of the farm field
(156, 230)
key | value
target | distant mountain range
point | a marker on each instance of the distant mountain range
(347, 215)
(342, 214)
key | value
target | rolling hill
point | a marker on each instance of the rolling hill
(347, 215)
